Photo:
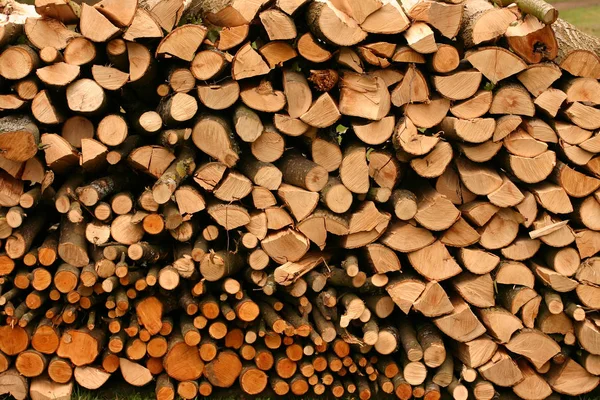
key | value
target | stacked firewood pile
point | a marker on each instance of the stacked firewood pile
(341, 197)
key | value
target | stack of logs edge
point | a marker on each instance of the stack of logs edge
(347, 198)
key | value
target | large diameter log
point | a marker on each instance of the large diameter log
(406, 238)
(182, 362)
(213, 136)
(525, 341)
(389, 19)
(495, 63)
(182, 42)
(577, 51)
(501, 370)
(463, 317)
(80, 346)
(285, 245)
(42, 388)
(521, 35)
(323, 112)
(227, 13)
(90, 377)
(434, 262)
(134, 373)
(327, 22)
(571, 378)
(434, 301)
(86, 96)
(19, 137)
(433, 13)
(359, 91)
(13, 384)
(125, 230)
(149, 311)
(16, 62)
(482, 22)
(224, 370)
(248, 63)
(14, 340)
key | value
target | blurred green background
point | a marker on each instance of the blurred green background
(585, 14)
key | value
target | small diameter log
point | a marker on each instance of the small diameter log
(179, 108)
(181, 167)
(91, 194)
(302, 172)
(215, 266)
(21, 239)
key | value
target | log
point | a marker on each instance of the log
(134, 373)
(182, 42)
(574, 44)
(304, 173)
(181, 167)
(294, 152)
(412, 88)
(521, 35)
(470, 325)
(224, 369)
(459, 85)
(212, 135)
(177, 352)
(357, 90)
(325, 21)
(19, 137)
(501, 370)
(248, 63)
(14, 384)
(72, 341)
(439, 265)
(580, 381)
(43, 389)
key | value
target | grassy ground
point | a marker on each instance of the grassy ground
(110, 392)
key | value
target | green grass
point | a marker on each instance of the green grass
(114, 390)
(585, 18)
(117, 390)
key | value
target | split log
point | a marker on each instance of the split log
(321, 72)
(14, 384)
(483, 23)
